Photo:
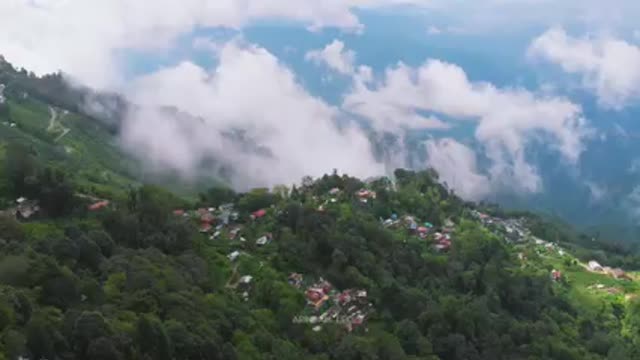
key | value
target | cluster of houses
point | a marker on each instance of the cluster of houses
(615, 273)
(365, 195)
(2, 98)
(325, 304)
(442, 238)
(547, 247)
(212, 220)
(514, 230)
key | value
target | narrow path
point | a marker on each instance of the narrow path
(52, 119)
(64, 132)
(233, 273)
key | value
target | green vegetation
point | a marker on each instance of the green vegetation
(86, 153)
(135, 279)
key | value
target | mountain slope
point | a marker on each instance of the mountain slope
(135, 279)
(93, 265)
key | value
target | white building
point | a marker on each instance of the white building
(2, 99)
(233, 256)
(594, 266)
(262, 241)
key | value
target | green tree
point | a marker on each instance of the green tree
(257, 199)
(217, 196)
(55, 192)
(103, 349)
(88, 328)
(15, 270)
(21, 169)
(103, 240)
(152, 338)
(40, 339)
(10, 229)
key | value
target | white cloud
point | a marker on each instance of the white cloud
(335, 56)
(457, 166)
(83, 38)
(607, 66)
(632, 202)
(251, 91)
(434, 30)
(597, 192)
(634, 167)
(507, 119)
(455, 30)
(341, 60)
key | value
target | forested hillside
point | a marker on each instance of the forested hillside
(96, 265)
(153, 276)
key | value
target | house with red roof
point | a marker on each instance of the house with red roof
(258, 214)
(205, 227)
(99, 205)
(207, 218)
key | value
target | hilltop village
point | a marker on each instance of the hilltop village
(350, 307)
(278, 254)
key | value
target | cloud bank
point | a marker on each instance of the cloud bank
(506, 120)
(249, 91)
(86, 38)
(608, 67)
